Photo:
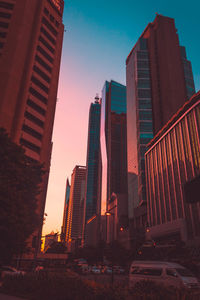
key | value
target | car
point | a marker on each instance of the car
(95, 270)
(10, 271)
(166, 273)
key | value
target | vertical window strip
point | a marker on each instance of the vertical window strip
(180, 176)
(173, 175)
(186, 147)
(157, 187)
(194, 142)
(169, 170)
(149, 197)
(162, 191)
(153, 190)
(168, 200)
(179, 195)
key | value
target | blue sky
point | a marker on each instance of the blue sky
(98, 38)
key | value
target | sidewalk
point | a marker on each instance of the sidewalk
(7, 297)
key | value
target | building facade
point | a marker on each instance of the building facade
(173, 177)
(93, 205)
(65, 212)
(159, 81)
(75, 218)
(31, 35)
(113, 150)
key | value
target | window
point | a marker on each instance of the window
(171, 272)
(3, 25)
(46, 12)
(142, 64)
(30, 145)
(36, 107)
(40, 84)
(43, 64)
(6, 5)
(144, 104)
(3, 34)
(1, 45)
(50, 38)
(143, 83)
(49, 26)
(5, 15)
(144, 93)
(147, 271)
(146, 127)
(57, 24)
(46, 44)
(145, 115)
(32, 132)
(45, 54)
(38, 95)
(34, 119)
(52, 18)
(41, 73)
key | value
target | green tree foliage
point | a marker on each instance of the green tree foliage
(20, 181)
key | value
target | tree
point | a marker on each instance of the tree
(20, 180)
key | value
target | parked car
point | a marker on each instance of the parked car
(95, 270)
(10, 271)
(166, 273)
(118, 270)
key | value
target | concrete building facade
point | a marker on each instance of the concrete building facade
(173, 177)
(31, 35)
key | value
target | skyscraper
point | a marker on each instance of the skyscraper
(159, 81)
(113, 149)
(65, 212)
(92, 165)
(75, 218)
(31, 34)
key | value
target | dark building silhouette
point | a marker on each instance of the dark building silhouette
(173, 177)
(159, 82)
(113, 151)
(31, 35)
(65, 212)
(75, 217)
(93, 206)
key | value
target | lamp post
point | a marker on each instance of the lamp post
(108, 213)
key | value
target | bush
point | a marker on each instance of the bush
(49, 286)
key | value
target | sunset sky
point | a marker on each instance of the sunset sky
(98, 37)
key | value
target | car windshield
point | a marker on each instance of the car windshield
(184, 272)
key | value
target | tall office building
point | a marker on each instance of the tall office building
(173, 177)
(159, 81)
(65, 212)
(93, 206)
(31, 35)
(75, 218)
(113, 151)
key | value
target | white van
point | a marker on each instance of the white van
(166, 273)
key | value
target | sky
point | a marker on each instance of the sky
(98, 37)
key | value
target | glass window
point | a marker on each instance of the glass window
(143, 64)
(145, 115)
(143, 83)
(171, 272)
(146, 127)
(144, 104)
(144, 93)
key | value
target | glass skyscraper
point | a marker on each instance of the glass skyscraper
(159, 81)
(93, 205)
(113, 148)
